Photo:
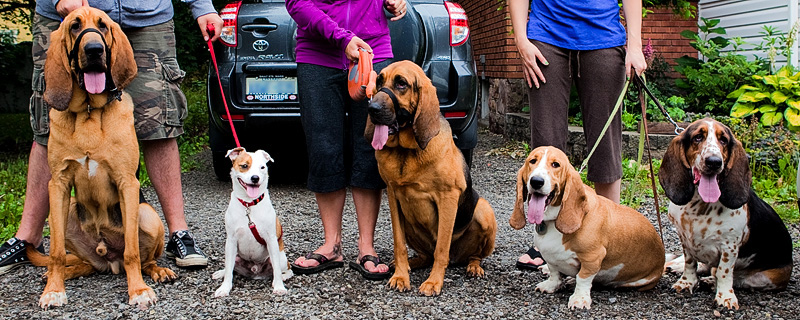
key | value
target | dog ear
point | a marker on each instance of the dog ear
(234, 153)
(123, 64)
(735, 179)
(426, 119)
(573, 202)
(675, 174)
(265, 155)
(57, 70)
(517, 219)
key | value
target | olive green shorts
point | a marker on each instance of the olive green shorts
(159, 104)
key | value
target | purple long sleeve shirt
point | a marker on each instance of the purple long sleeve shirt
(325, 27)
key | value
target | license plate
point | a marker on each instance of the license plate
(275, 88)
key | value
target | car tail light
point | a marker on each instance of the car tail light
(455, 115)
(233, 117)
(459, 30)
(229, 15)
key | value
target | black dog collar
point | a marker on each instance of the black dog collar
(73, 61)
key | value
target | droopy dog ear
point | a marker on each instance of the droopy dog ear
(573, 202)
(735, 180)
(57, 71)
(675, 174)
(123, 65)
(517, 219)
(426, 119)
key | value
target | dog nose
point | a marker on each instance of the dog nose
(714, 162)
(254, 179)
(93, 50)
(537, 182)
(374, 107)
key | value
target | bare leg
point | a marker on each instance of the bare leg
(331, 206)
(37, 198)
(609, 190)
(163, 163)
(368, 204)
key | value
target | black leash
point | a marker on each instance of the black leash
(639, 82)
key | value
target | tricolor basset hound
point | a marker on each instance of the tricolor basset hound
(720, 220)
(582, 234)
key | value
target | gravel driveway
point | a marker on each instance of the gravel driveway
(505, 292)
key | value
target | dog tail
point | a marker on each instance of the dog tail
(41, 260)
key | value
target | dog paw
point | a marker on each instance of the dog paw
(142, 298)
(548, 286)
(475, 270)
(286, 275)
(219, 274)
(52, 299)
(400, 283)
(545, 269)
(279, 291)
(684, 285)
(580, 301)
(223, 290)
(431, 287)
(727, 300)
(161, 275)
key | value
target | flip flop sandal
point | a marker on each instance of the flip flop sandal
(533, 253)
(324, 264)
(370, 275)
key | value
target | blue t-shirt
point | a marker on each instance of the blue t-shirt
(576, 24)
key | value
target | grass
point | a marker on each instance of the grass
(13, 170)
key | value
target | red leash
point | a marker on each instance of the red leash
(210, 28)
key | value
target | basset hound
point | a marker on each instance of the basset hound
(582, 234)
(720, 220)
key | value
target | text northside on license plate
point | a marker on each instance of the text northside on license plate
(275, 88)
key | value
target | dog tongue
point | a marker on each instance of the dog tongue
(709, 188)
(252, 191)
(536, 208)
(95, 82)
(380, 136)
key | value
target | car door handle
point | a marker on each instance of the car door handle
(266, 27)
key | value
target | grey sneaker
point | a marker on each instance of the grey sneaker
(184, 250)
(12, 254)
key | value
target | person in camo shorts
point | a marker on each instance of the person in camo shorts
(160, 108)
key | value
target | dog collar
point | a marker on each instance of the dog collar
(251, 203)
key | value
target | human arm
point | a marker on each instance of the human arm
(203, 11)
(633, 20)
(64, 7)
(307, 15)
(527, 50)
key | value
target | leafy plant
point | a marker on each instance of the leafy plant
(13, 169)
(774, 97)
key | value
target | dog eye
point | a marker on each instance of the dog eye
(263, 167)
(698, 138)
(244, 166)
(555, 164)
(723, 140)
(101, 25)
(400, 84)
(533, 161)
(76, 25)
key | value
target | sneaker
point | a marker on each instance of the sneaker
(184, 250)
(12, 254)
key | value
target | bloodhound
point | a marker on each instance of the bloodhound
(720, 220)
(93, 148)
(433, 206)
(582, 234)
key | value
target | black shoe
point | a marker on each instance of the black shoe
(184, 250)
(12, 254)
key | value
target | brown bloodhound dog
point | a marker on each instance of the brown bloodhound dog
(433, 206)
(93, 148)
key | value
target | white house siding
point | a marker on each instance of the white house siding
(745, 19)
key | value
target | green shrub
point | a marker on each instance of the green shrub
(13, 172)
(773, 97)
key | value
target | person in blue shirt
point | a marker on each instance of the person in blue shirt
(582, 43)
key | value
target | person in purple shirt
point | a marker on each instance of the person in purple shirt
(582, 43)
(330, 34)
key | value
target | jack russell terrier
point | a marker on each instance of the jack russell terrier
(254, 244)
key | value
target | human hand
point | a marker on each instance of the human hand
(634, 58)
(64, 7)
(396, 7)
(212, 19)
(530, 67)
(351, 51)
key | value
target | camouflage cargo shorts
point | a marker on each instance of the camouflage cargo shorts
(160, 106)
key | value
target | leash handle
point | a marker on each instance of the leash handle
(210, 28)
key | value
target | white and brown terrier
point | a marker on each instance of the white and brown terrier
(582, 234)
(254, 243)
(720, 220)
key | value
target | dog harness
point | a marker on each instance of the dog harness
(111, 88)
(252, 225)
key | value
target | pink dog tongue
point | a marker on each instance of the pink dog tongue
(95, 82)
(708, 188)
(380, 136)
(536, 209)
(252, 191)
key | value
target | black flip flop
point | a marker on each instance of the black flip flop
(324, 264)
(370, 275)
(533, 253)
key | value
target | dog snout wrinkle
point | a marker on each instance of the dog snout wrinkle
(536, 182)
